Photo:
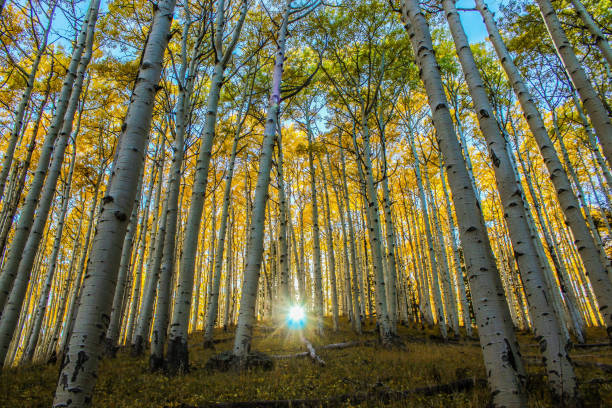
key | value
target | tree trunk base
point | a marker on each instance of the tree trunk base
(137, 347)
(227, 361)
(178, 357)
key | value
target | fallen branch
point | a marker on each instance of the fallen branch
(379, 396)
(311, 351)
(333, 346)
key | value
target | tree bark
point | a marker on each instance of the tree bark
(79, 369)
(502, 358)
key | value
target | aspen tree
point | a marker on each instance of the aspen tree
(79, 369)
(143, 326)
(598, 36)
(592, 104)
(177, 341)
(14, 304)
(44, 296)
(498, 342)
(330, 251)
(212, 306)
(547, 328)
(24, 102)
(584, 241)
(318, 285)
(26, 219)
(254, 254)
(433, 258)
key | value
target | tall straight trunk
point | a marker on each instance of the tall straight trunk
(502, 358)
(79, 369)
(177, 341)
(374, 234)
(465, 310)
(143, 326)
(598, 36)
(246, 316)
(14, 304)
(26, 217)
(352, 292)
(391, 252)
(330, 251)
(583, 239)
(142, 244)
(283, 238)
(591, 101)
(117, 310)
(212, 308)
(547, 328)
(228, 273)
(450, 301)
(164, 294)
(10, 208)
(70, 315)
(166, 272)
(44, 296)
(433, 257)
(302, 270)
(601, 161)
(318, 283)
(23, 104)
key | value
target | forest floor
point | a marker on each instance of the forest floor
(361, 375)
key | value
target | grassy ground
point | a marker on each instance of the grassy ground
(125, 381)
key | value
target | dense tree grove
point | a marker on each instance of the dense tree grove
(172, 167)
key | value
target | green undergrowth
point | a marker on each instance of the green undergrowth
(424, 361)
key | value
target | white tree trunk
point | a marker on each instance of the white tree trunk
(212, 307)
(547, 328)
(79, 369)
(177, 347)
(26, 218)
(246, 316)
(592, 104)
(598, 36)
(23, 104)
(584, 241)
(318, 281)
(44, 296)
(13, 306)
(497, 338)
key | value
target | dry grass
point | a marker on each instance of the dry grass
(125, 381)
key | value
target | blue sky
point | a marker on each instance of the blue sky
(472, 22)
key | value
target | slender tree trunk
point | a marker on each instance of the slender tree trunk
(318, 285)
(497, 338)
(433, 258)
(598, 36)
(177, 347)
(246, 317)
(44, 296)
(79, 369)
(164, 291)
(143, 326)
(212, 307)
(547, 328)
(117, 310)
(14, 304)
(330, 251)
(591, 101)
(585, 243)
(23, 103)
(26, 218)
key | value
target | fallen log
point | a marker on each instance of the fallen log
(380, 396)
(311, 351)
(333, 346)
